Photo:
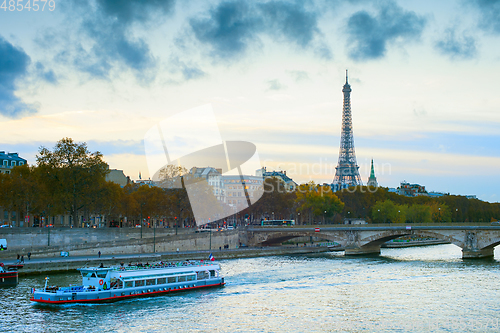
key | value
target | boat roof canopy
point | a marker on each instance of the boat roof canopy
(95, 269)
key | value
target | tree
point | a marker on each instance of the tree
(440, 212)
(25, 190)
(387, 211)
(419, 213)
(109, 199)
(72, 174)
(276, 202)
(170, 176)
(317, 201)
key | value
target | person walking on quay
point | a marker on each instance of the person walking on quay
(99, 253)
(22, 259)
(29, 255)
(18, 256)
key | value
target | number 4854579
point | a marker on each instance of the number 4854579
(20, 5)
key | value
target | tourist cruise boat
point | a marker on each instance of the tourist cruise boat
(8, 275)
(110, 284)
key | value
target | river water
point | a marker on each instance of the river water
(424, 289)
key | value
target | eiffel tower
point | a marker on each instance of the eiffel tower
(347, 170)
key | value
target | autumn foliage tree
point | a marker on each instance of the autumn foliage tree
(72, 174)
(317, 201)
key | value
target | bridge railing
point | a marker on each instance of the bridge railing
(428, 224)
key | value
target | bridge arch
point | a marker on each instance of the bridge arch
(273, 238)
(475, 241)
(379, 239)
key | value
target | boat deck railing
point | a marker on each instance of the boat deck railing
(164, 265)
(75, 289)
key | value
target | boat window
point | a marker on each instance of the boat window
(93, 275)
(172, 279)
(161, 280)
(212, 273)
(150, 282)
(139, 283)
(86, 274)
(129, 284)
(202, 275)
(191, 277)
(101, 275)
(182, 278)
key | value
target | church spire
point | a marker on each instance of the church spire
(372, 181)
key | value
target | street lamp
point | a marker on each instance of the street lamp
(439, 209)
(324, 218)
(298, 219)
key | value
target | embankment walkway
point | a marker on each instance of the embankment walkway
(65, 264)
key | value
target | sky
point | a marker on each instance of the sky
(424, 78)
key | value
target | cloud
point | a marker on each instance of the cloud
(229, 28)
(275, 85)
(299, 75)
(457, 47)
(323, 52)
(13, 66)
(490, 14)
(46, 75)
(111, 147)
(232, 26)
(290, 21)
(189, 72)
(108, 25)
(130, 11)
(370, 34)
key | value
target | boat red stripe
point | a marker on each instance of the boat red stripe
(94, 300)
(7, 276)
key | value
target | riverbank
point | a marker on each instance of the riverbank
(37, 266)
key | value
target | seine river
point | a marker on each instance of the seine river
(426, 289)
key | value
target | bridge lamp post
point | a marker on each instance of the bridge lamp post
(273, 215)
(398, 214)
(324, 218)
(439, 209)
(298, 218)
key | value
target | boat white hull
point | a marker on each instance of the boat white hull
(113, 295)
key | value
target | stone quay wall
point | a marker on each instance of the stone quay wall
(111, 241)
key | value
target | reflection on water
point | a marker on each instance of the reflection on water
(412, 289)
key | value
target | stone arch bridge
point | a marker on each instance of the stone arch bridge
(475, 240)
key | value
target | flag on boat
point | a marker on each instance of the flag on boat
(211, 257)
(32, 290)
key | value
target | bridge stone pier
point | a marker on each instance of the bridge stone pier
(475, 240)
